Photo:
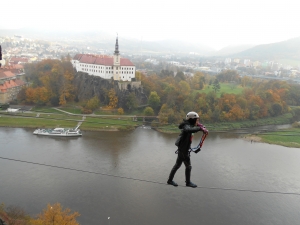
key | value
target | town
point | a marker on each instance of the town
(18, 50)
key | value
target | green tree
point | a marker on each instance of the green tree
(131, 102)
(179, 76)
(216, 85)
(154, 100)
(276, 109)
(148, 111)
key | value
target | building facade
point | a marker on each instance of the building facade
(10, 86)
(104, 66)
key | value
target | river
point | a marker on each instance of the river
(122, 175)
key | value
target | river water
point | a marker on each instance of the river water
(228, 171)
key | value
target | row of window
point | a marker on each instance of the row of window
(100, 71)
(107, 67)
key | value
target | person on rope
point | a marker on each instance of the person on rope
(188, 127)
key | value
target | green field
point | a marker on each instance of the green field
(288, 138)
(225, 88)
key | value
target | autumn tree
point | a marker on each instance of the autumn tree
(56, 215)
(197, 81)
(138, 75)
(55, 77)
(93, 103)
(120, 111)
(15, 215)
(228, 76)
(21, 96)
(66, 91)
(113, 99)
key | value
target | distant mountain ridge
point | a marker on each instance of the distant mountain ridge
(289, 49)
(231, 49)
(104, 40)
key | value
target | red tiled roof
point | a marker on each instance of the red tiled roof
(6, 74)
(10, 84)
(19, 82)
(101, 60)
(18, 66)
(77, 56)
(15, 60)
(126, 62)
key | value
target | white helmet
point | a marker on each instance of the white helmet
(192, 115)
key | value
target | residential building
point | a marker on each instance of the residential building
(10, 85)
(227, 60)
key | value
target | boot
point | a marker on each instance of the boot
(172, 183)
(171, 176)
(188, 182)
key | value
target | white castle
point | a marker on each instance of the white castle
(105, 66)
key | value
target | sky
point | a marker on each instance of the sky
(214, 23)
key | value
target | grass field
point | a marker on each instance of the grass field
(288, 138)
(225, 88)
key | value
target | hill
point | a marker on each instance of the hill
(231, 49)
(289, 49)
(101, 40)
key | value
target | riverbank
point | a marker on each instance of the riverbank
(228, 126)
(288, 138)
(116, 123)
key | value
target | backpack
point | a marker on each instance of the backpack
(178, 140)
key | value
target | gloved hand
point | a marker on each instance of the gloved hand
(198, 150)
(205, 130)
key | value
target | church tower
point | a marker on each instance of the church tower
(116, 66)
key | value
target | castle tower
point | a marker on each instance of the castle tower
(116, 66)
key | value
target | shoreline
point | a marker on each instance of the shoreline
(253, 138)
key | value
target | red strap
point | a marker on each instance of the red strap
(202, 139)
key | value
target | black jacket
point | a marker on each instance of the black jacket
(186, 132)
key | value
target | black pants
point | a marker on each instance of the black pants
(182, 158)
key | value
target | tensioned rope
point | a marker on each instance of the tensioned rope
(149, 181)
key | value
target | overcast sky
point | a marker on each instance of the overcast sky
(216, 23)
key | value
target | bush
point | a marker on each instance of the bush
(86, 111)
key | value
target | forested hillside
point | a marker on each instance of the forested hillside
(54, 82)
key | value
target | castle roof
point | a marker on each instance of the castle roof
(101, 60)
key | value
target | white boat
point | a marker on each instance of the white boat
(60, 132)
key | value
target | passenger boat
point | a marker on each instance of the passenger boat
(61, 132)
